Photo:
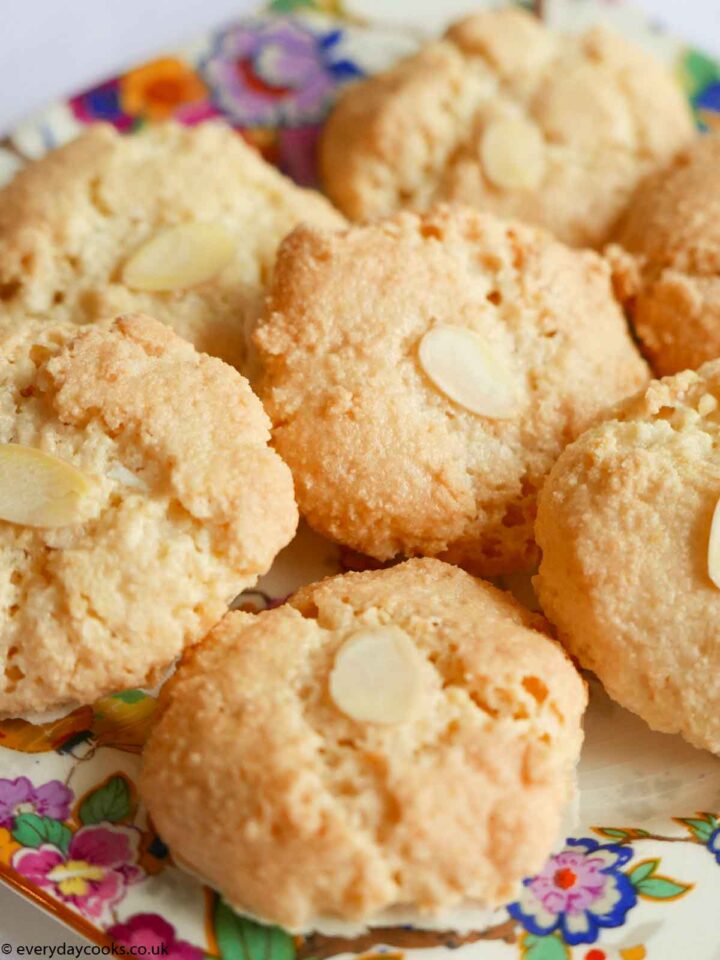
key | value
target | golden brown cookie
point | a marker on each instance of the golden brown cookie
(671, 280)
(377, 741)
(138, 496)
(507, 116)
(180, 223)
(423, 373)
(629, 529)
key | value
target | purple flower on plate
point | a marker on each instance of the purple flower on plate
(51, 799)
(275, 72)
(94, 873)
(148, 934)
(578, 891)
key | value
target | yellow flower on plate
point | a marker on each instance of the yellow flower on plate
(157, 89)
(73, 878)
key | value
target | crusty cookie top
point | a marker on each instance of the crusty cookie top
(179, 505)
(424, 372)
(630, 573)
(74, 224)
(510, 117)
(338, 816)
(671, 281)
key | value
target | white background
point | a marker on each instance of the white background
(52, 47)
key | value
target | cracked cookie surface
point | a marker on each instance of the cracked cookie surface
(424, 372)
(507, 116)
(72, 223)
(337, 817)
(184, 506)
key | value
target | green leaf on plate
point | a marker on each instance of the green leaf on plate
(698, 71)
(612, 833)
(703, 829)
(111, 802)
(130, 696)
(292, 6)
(287, 6)
(241, 939)
(543, 948)
(642, 871)
(662, 888)
(621, 833)
(32, 831)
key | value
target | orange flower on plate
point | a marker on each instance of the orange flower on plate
(8, 845)
(159, 88)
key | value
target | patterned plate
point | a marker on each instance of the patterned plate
(641, 876)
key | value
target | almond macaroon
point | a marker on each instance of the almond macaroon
(667, 260)
(181, 223)
(506, 115)
(629, 527)
(375, 743)
(138, 497)
(424, 372)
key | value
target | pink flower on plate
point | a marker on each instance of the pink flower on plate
(94, 873)
(146, 934)
(192, 114)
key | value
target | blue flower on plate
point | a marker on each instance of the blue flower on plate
(713, 844)
(102, 103)
(578, 892)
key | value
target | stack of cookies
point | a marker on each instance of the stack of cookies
(449, 392)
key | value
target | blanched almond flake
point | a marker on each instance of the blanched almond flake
(513, 154)
(38, 489)
(126, 478)
(179, 257)
(377, 676)
(462, 365)
(713, 560)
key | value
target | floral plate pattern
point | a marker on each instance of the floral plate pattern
(73, 836)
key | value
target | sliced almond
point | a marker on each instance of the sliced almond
(513, 154)
(38, 489)
(126, 478)
(179, 257)
(713, 560)
(462, 365)
(377, 676)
